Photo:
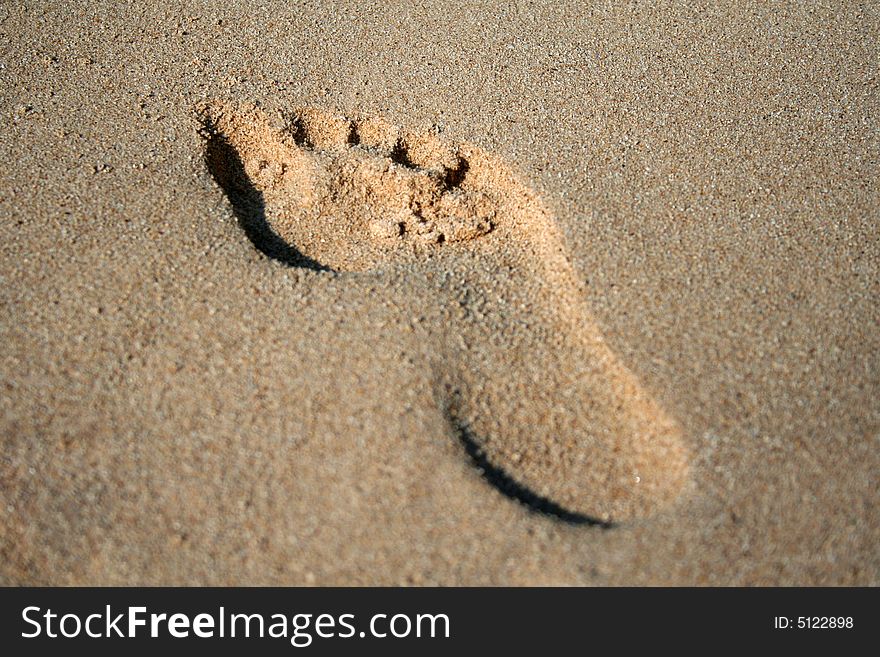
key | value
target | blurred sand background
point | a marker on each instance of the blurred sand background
(177, 408)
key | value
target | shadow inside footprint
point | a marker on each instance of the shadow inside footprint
(497, 477)
(247, 201)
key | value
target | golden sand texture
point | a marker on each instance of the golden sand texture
(429, 293)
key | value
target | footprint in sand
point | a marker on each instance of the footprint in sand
(544, 408)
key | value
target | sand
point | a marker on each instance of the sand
(430, 293)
